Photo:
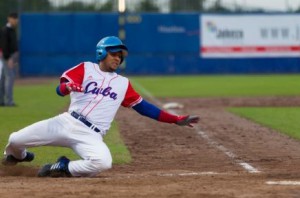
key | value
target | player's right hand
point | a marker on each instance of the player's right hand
(74, 87)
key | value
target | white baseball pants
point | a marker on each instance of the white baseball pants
(65, 131)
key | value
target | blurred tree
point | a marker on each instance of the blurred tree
(147, 6)
(76, 6)
(35, 5)
(186, 5)
(218, 7)
(6, 7)
(82, 6)
(107, 7)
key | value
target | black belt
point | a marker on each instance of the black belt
(84, 121)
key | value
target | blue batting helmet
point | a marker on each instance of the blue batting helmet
(110, 44)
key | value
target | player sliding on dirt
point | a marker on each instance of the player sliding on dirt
(96, 93)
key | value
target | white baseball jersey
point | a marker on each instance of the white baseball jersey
(103, 94)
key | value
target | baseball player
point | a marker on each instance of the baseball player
(96, 93)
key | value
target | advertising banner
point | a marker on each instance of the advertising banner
(162, 33)
(230, 36)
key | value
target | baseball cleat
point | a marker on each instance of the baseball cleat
(58, 169)
(10, 160)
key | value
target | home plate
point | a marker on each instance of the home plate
(287, 183)
(187, 174)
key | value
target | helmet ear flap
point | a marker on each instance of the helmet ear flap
(101, 54)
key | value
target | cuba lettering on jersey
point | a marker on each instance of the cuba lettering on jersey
(93, 88)
(103, 94)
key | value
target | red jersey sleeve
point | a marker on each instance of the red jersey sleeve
(131, 97)
(75, 74)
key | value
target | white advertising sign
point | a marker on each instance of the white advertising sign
(230, 36)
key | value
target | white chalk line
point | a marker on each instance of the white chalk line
(284, 183)
(168, 174)
(231, 155)
(226, 151)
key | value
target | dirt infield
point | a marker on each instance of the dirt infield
(223, 156)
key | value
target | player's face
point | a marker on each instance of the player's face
(111, 61)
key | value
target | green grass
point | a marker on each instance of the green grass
(220, 85)
(283, 119)
(38, 102)
(114, 141)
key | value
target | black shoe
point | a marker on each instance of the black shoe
(59, 169)
(10, 160)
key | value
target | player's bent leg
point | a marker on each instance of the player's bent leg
(96, 158)
(15, 146)
(89, 167)
(79, 168)
(94, 153)
(45, 132)
(15, 152)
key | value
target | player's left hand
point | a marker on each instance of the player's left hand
(187, 120)
(74, 87)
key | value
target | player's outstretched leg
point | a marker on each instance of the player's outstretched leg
(10, 160)
(58, 169)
